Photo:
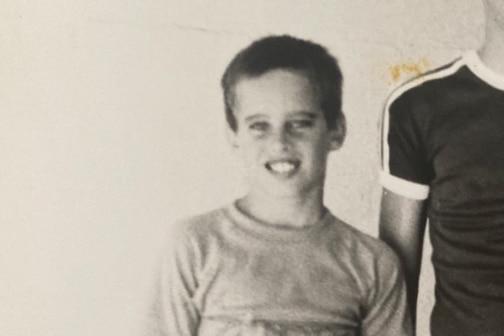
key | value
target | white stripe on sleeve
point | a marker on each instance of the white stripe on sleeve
(403, 187)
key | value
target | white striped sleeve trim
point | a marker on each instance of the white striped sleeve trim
(403, 187)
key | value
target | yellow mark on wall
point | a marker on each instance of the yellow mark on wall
(409, 69)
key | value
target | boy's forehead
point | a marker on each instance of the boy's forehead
(290, 87)
(278, 72)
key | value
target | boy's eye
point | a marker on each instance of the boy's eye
(302, 123)
(259, 126)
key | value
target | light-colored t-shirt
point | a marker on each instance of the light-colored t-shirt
(228, 274)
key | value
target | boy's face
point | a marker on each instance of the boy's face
(282, 133)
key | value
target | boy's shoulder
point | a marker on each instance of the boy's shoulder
(361, 246)
(195, 236)
(199, 225)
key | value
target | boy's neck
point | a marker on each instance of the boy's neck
(295, 212)
(491, 52)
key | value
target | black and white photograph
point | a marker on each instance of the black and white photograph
(243, 168)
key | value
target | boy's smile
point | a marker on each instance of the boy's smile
(282, 133)
(284, 168)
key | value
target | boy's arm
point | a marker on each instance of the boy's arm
(402, 227)
(172, 311)
(386, 309)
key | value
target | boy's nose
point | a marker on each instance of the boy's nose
(281, 140)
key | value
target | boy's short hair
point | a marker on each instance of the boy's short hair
(290, 53)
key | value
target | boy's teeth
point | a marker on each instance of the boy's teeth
(282, 167)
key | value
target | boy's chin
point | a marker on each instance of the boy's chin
(282, 190)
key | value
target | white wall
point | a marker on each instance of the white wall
(111, 127)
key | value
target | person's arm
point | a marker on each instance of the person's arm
(172, 310)
(402, 227)
(386, 307)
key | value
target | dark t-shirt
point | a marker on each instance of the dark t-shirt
(443, 141)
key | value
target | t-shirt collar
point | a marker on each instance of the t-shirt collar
(274, 232)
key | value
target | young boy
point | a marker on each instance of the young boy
(277, 262)
(443, 158)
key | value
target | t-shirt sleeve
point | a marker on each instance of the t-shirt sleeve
(387, 313)
(406, 169)
(172, 311)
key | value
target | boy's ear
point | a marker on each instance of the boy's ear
(337, 135)
(232, 137)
